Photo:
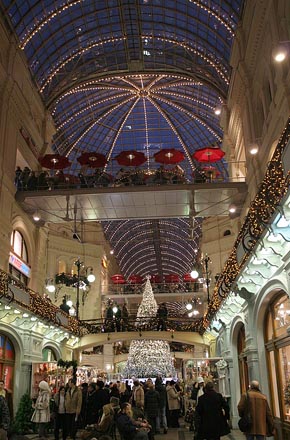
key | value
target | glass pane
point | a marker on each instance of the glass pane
(17, 245)
(282, 315)
(273, 378)
(284, 354)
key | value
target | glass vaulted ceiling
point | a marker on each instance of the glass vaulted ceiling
(129, 74)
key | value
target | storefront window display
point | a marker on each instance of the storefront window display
(7, 359)
(278, 346)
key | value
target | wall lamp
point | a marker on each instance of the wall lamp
(49, 285)
(281, 52)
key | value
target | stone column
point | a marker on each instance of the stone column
(108, 354)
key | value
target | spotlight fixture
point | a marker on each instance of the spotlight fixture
(253, 149)
(194, 273)
(217, 111)
(36, 216)
(280, 53)
(232, 209)
(50, 286)
(91, 277)
(115, 309)
(189, 306)
(112, 251)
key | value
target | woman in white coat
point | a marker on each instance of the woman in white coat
(41, 413)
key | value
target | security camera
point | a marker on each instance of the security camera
(76, 236)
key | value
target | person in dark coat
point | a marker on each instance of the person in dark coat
(102, 397)
(213, 412)
(161, 419)
(4, 418)
(261, 415)
(151, 405)
(91, 405)
(162, 317)
(59, 413)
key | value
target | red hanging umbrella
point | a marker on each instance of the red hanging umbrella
(169, 156)
(156, 279)
(54, 161)
(135, 279)
(131, 158)
(208, 154)
(210, 172)
(93, 160)
(118, 279)
(172, 278)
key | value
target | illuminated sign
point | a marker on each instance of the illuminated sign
(19, 265)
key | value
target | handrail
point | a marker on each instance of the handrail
(14, 291)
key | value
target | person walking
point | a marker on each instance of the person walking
(261, 416)
(41, 414)
(4, 392)
(213, 412)
(73, 406)
(173, 399)
(161, 419)
(59, 413)
(151, 405)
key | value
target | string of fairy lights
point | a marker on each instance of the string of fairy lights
(271, 191)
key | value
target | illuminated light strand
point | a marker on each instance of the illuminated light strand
(95, 123)
(177, 84)
(174, 131)
(146, 125)
(196, 52)
(82, 89)
(137, 257)
(55, 69)
(32, 31)
(185, 97)
(131, 238)
(119, 131)
(216, 16)
(188, 113)
(90, 108)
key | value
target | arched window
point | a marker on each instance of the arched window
(18, 259)
(277, 344)
(7, 361)
(19, 246)
(242, 360)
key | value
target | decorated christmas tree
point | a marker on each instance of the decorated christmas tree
(148, 358)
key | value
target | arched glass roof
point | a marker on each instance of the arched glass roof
(133, 74)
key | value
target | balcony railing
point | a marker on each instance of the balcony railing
(173, 323)
(160, 288)
(97, 178)
(14, 292)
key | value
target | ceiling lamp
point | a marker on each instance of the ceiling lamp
(217, 111)
(36, 216)
(280, 53)
(50, 286)
(232, 209)
(253, 149)
(194, 273)
(91, 277)
(189, 306)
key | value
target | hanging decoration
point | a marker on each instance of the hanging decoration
(135, 279)
(54, 161)
(148, 358)
(131, 158)
(118, 279)
(93, 160)
(169, 156)
(208, 154)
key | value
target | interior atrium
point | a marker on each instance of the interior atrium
(145, 166)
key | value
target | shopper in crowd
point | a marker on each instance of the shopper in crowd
(173, 399)
(213, 412)
(118, 317)
(151, 405)
(197, 390)
(161, 418)
(103, 427)
(125, 393)
(91, 405)
(109, 323)
(261, 415)
(41, 414)
(4, 392)
(102, 397)
(73, 406)
(84, 389)
(137, 398)
(125, 318)
(4, 418)
(129, 428)
(59, 413)
(114, 391)
(162, 317)
(64, 306)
